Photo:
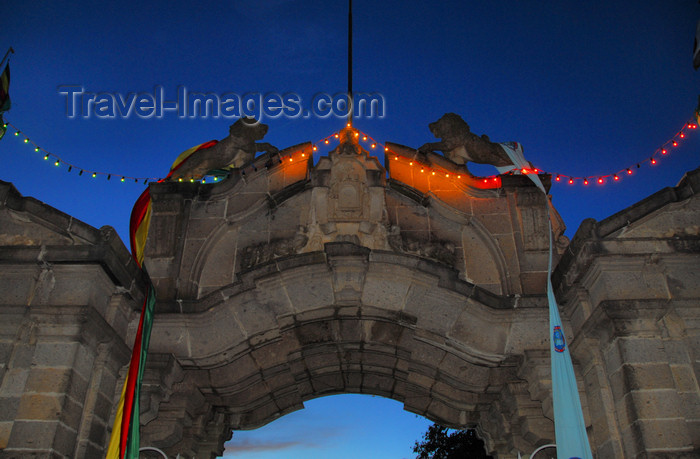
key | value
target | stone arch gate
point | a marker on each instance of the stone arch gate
(290, 281)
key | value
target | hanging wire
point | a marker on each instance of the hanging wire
(372, 144)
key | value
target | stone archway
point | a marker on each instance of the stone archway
(294, 282)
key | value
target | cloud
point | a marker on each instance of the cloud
(321, 439)
(257, 446)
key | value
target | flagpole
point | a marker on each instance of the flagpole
(350, 101)
(6, 55)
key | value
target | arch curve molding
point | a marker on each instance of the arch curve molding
(300, 281)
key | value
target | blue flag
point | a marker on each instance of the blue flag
(569, 427)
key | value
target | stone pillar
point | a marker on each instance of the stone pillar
(629, 285)
(68, 294)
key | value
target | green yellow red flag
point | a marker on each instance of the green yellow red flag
(124, 441)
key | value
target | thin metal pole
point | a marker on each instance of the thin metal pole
(6, 54)
(350, 101)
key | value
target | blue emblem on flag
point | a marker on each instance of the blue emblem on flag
(558, 337)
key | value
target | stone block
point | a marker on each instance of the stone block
(652, 404)
(493, 330)
(98, 433)
(201, 228)
(633, 351)
(55, 354)
(327, 383)
(306, 295)
(41, 407)
(384, 332)
(656, 436)
(203, 209)
(383, 362)
(386, 287)
(475, 376)
(633, 377)
(8, 408)
(243, 202)
(103, 406)
(377, 384)
(32, 435)
(315, 333)
(420, 380)
(5, 429)
(14, 382)
(353, 381)
(609, 449)
(350, 330)
(534, 283)
(270, 355)
(412, 218)
(436, 310)
(255, 317)
(16, 287)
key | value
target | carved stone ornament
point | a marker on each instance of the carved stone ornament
(460, 145)
(236, 150)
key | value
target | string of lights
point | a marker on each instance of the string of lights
(370, 142)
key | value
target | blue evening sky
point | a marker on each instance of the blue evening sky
(589, 88)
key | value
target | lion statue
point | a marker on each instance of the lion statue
(459, 144)
(236, 150)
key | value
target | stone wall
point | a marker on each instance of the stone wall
(630, 285)
(68, 297)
